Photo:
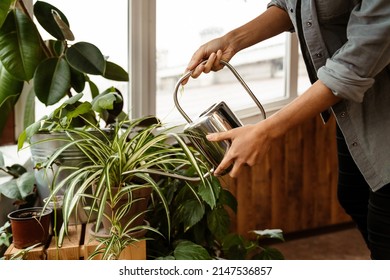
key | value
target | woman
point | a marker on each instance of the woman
(346, 48)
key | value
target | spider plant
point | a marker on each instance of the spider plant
(129, 159)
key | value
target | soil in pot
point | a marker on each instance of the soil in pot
(30, 226)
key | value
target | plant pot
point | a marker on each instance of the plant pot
(44, 144)
(30, 226)
(137, 206)
(102, 233)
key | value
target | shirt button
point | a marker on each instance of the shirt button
(354, 144)
(318, 55)
(342, 115)
(291, 10)
(309, 24)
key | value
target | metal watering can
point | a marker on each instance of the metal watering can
(217, 118)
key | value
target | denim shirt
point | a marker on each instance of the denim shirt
(347, 47)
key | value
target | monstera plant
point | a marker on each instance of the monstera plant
(56, 67)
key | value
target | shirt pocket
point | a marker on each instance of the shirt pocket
(330, 10)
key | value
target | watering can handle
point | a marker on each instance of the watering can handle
(188, 74)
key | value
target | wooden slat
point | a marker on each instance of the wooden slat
(77, 245)
(70, 248)
(294, 186)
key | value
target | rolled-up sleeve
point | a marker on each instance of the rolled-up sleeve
(280, 4)
(352, 69)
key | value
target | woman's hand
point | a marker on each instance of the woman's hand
(249, 145)
(208, 56)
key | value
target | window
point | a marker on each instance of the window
(180, 33)
(156, 39)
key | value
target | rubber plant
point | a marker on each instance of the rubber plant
(57, 67)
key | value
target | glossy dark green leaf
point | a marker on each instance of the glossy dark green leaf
(189, 213)
(77, 80)
(4, 8)
(92, 87)
(228, 199)
(52, 80)
(10, 90)
(16, 170)
(115, 72)
(20, 49)
(218, 221)
(187, 250)
(53, 21)
(29, 109)
(233, 246)
(87, 58)
(56, 47)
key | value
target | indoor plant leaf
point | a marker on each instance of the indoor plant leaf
(20, 49)
(52, 80)
(77, 80)
(52, 20)
(189, 213)
(4, 7)
(228, 199)
(115, 72)
(87, 58)
(10, 90)
(10, 190)
(25, 183)
(218, 221)
(270, 233)
(187, 250)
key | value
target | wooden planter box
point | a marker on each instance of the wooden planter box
(78, 245)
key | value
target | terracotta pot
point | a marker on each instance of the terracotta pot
(139, 204)
(30, 226)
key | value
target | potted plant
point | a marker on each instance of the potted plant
(30, 226)
(18, 189)
(59, 72)
(202, 230)
(55, 67)
(124, 171)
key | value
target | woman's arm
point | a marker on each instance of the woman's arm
(251, 142)
(270, 23)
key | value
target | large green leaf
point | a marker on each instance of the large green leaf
(115, 72)
(20, 187)
(53, 21)
(10, 90)
(78, 80)
(4, 8)
(20, 49)
(187, 250)
(189, 213)
(52, 80)
(218, 221)
(86, 58)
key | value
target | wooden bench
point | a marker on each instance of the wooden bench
(79, 244)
